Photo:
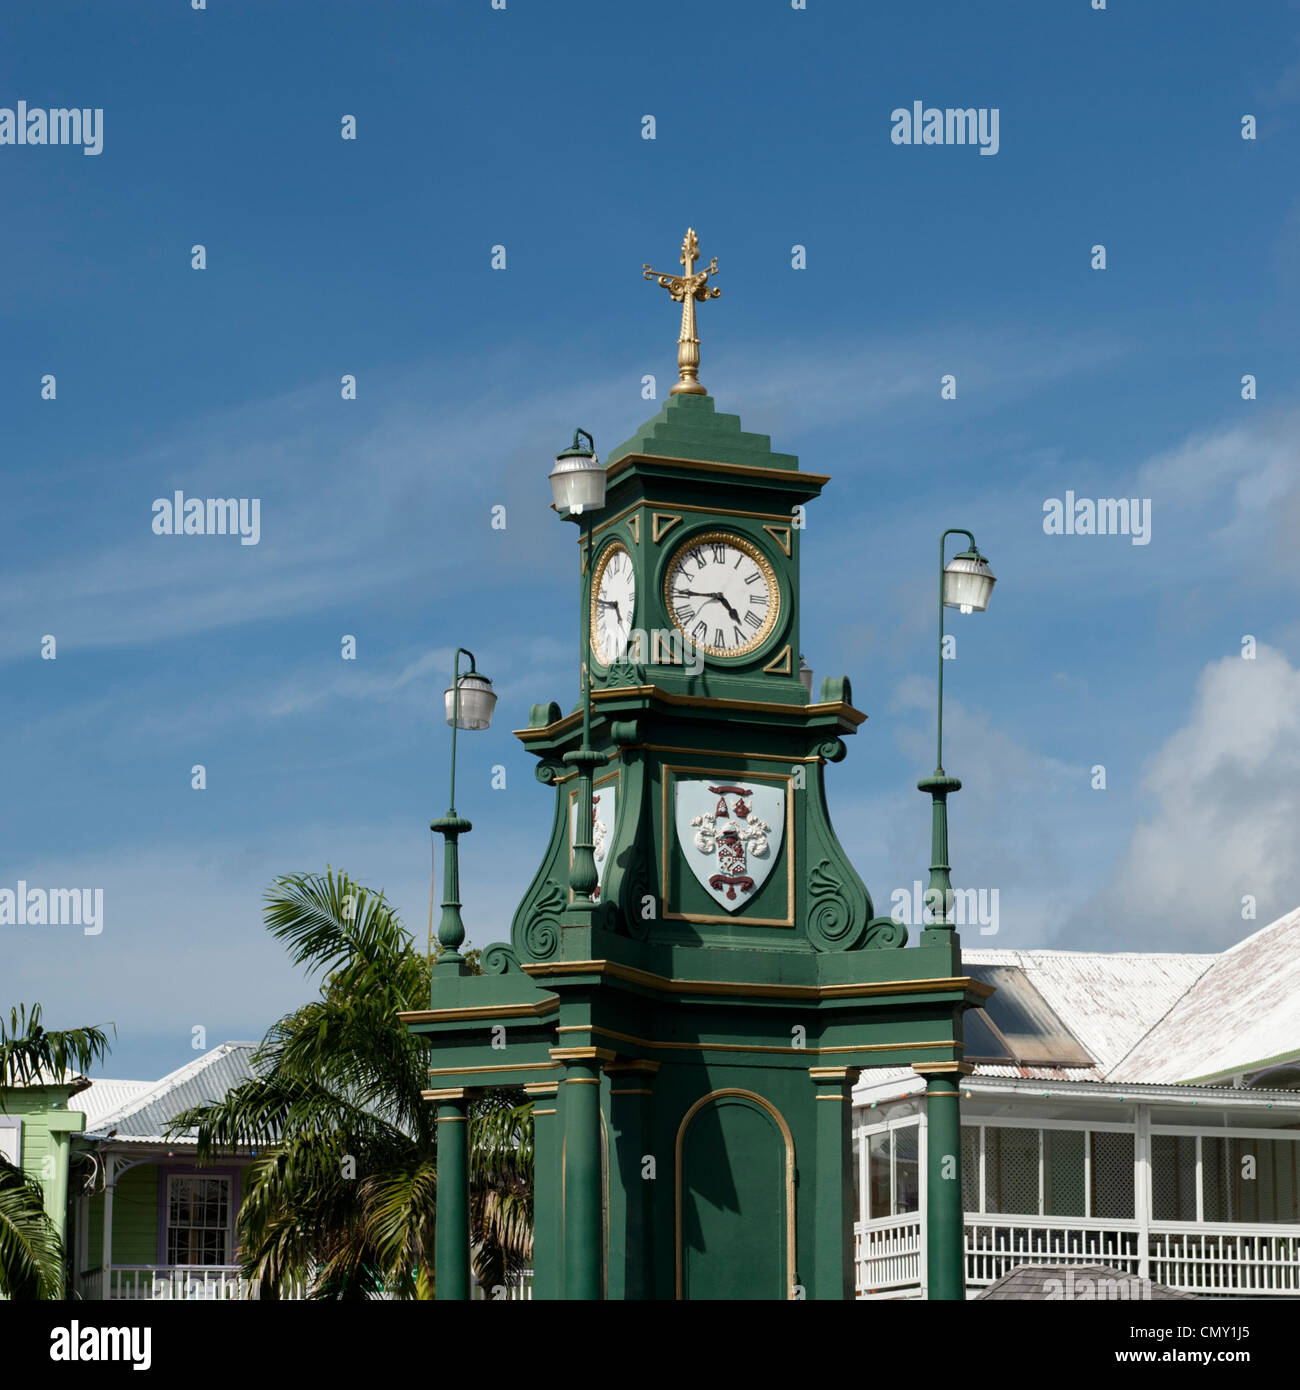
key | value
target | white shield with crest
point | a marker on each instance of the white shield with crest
(730, 833)
(604, 801)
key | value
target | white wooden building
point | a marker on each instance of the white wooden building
(1140, 1111)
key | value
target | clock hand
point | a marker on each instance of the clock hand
(714, 598)
(690, 593)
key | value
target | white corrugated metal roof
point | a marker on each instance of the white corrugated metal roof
(143, 1116)
(1108, 1001)
(1155, 1018)
(1243, 1011)
(105, 1096)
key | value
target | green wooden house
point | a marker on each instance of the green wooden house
(146, 1222)
(37, 1124)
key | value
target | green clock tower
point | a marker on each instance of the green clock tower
(690, 1026)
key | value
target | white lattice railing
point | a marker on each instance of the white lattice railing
(887, 1255)
(1215, 1260)
(212, 1283)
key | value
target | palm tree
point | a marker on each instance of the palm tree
(343, 1190)
(31, 1253)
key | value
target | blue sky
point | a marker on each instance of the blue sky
(523, 128)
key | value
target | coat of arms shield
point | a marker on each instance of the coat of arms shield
(730, 834)
(604, 803)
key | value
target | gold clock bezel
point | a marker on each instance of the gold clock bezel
(769, 576)
(596, 576)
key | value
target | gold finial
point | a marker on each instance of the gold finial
(687, 289)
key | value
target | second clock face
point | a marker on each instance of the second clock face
(722, 594)
(613, 598)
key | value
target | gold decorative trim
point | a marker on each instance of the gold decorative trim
(448, 1093)
(742, 543)
(721, 753)
(781, 535)
(582, 1081)
(747, 470)
(661, 523)
(784, 1129)
(541, 1088)
(669, 840)
(469, 1013)
(508, 1066)
(842, 1099)
(779, 664)
(613, 548)
(839, 1048)
(943, 1068)
(536, 1111)
(634, 526)
(839, 708)
(615, 970)
(830, 1073)
(650, 503)
(581, 1054)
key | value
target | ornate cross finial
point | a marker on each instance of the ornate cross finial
(687, 289)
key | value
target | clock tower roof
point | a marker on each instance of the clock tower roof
(688, 427)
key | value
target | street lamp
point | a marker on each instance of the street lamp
(469, 701)
(578, 486)
(965, 583)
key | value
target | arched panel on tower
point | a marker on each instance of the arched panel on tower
(735, 1220)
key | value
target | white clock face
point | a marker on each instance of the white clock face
(723, 594)
(613, 601)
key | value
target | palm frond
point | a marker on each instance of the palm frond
(31, 1255)
(30, 1053)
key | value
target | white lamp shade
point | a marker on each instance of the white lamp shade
(967, 584)
(477, 700)
(578, 483)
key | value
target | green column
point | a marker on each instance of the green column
(834, 1205)
(583, 1238)
(451, 1241)
(944, 1218)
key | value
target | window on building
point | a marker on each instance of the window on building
(1011, 1170)
(970, 1168)
(1112, 1174)
(1064, 1183)
(907, 1169)
(894, 1172)
(1173, 1177)
(198, 1221)
(1045, 1172)
(1250, 1179)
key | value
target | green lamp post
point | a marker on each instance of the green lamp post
(578, 486)
(965, 583)
(469, 702)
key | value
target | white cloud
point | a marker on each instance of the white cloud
(1236, 492)
(1226, 788)
(999, 835)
